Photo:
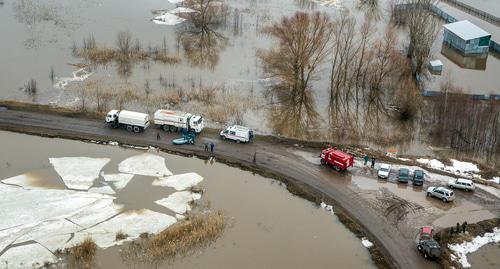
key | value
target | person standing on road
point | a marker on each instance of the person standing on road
(373, 162)
(464, 226)
(255, 157)
(158, 136)
(366, 158)
(206, 146)
(212, 148)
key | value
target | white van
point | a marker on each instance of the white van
(460, 183)
(237, 133)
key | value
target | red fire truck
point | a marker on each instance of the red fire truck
(336, 158)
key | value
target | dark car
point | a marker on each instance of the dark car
(403, 175)
(418, 178)
(430, 249)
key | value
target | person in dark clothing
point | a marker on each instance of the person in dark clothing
(373, 162)
(158, 136)
(255, 157)
(464, 226)
(366, 158)
(212, 147)
(206, 146)
(458, 227)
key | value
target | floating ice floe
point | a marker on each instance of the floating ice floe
(180, 10)
(25, 180)
(461, 250)
(326, 207)
(78, 172)
(179, 202)
(179, 182)
(51, 234)
(168, 19)
(146, 164)
(366, 243)
(329, 3)
(20, 207)
(131, 223)
(26, 256)
(176, 1)
(78, 75)
(118, 181)
(99, 211)
(103, 190)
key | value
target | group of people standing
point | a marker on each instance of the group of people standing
(367, 158)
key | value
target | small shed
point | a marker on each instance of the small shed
(466, 37)
(436, 66)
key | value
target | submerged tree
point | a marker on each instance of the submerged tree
(206, 13)
(301, 47)
(423, 28)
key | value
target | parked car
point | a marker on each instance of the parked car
(404, 175)
(426, 244)
(384, 170)
(418, 178)
(461, 183)
(442, 193)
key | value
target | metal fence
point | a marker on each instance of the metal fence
(474, 11)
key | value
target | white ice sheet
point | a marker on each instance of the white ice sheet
(78, 172)
(179, 182)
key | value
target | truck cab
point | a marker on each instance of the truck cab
(336, 158)
(196, 123)
(112, 117)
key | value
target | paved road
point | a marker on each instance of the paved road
(271, 157)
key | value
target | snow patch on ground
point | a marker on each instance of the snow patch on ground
(78, 75)
(326, 207)
(118, 181)
(458, 167)
(179, 182)
(78, 172)
(179, 202)
(366, 243)
(17, 258)
(146, 164)
(496, 180)
(461, 250)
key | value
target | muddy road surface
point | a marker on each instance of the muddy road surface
(272, 159)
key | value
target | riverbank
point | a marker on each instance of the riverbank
(276, 158)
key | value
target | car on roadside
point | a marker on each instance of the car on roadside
(384, 170)
(403, 175)
(426, 244)
(461, 183)
(441, 193)
(418, 178)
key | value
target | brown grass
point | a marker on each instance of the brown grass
(120, 235)
(181, 239)
(82, 255)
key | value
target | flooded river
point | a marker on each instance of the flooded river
(267, 226)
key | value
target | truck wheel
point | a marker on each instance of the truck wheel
(165, 128)
(323, 162)
(173, 129)
(337, 168)
(238, 141)
(136, 129)
(129, 128)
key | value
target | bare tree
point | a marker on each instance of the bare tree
(423, 29)
(207, 13)
(302, 46)
(124, 42)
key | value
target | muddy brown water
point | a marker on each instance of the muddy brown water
(268, 227)
(486, 257)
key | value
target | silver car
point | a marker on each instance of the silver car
(442, 193)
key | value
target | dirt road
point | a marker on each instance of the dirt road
(309, 180)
